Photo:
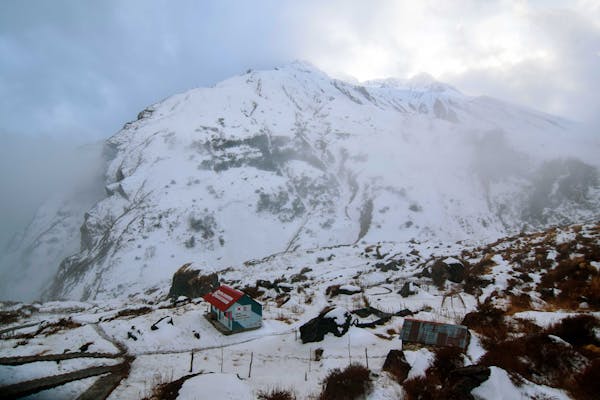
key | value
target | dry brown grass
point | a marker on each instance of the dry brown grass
(537, 358)
(350, 383)
(518, 303)
(276, 394)
(489, 322)
(436, 384)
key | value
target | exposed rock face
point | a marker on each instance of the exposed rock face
(396, 364)
(336, 321)
(188, 282)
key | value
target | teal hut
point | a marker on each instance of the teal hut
(234, 310)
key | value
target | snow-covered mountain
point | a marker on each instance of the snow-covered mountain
(286, 159)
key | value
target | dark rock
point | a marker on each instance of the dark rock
(404, 313)
(449, 269)
(318, 354)
(316, 329)
(298, 278)
(405, 291)
(393, 265)
(265, 284)
(332, 290)
(373, 324)
(456, 271)
(188, 282)
(465, 379)
(85, 347)
(396, 364)
(281, 299)
(284, 287)
(349, 290)
(335, 290)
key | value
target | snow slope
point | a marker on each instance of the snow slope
(161, 352)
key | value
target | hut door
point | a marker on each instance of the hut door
(442, 338)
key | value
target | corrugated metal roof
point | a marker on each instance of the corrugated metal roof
(224, 297)
(434, 333)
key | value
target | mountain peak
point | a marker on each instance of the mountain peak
(302, 66)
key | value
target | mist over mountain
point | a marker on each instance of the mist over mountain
(287, 159)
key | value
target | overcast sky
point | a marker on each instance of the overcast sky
(76, 71)
(83, 68)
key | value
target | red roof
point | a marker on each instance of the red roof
(224, 297)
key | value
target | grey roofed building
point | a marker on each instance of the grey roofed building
(434, 333)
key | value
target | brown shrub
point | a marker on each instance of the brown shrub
(446, 360)
(536, 357)
(488, 321)
(276, 394)
(429, 387)
(438, 274)
(473, 278)
(421, 388)
(347, 384)
(332, 290)
(519, 303)
(168, 390)
(586, 385)
(129, 312)
(53, 327)
(253, 291)
(578, 330)
(8, 317)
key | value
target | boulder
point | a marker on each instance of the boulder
(396, 364)
(335, 290)
(331, 320)
(455, 270)
(265, 284)
(349, 289)
(188, 282)
(465, 379)
(408, 289)
(448, 269)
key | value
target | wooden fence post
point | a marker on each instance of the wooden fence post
(192, 361)
(221, 360)
(250, 369)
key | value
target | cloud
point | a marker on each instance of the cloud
(541, 54)
(84, 68)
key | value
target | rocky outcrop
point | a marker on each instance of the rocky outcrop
(447, 269)
(190, 283)
(331, 320)
(395, 363)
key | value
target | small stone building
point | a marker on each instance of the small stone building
(233, 311)
(429, 333)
